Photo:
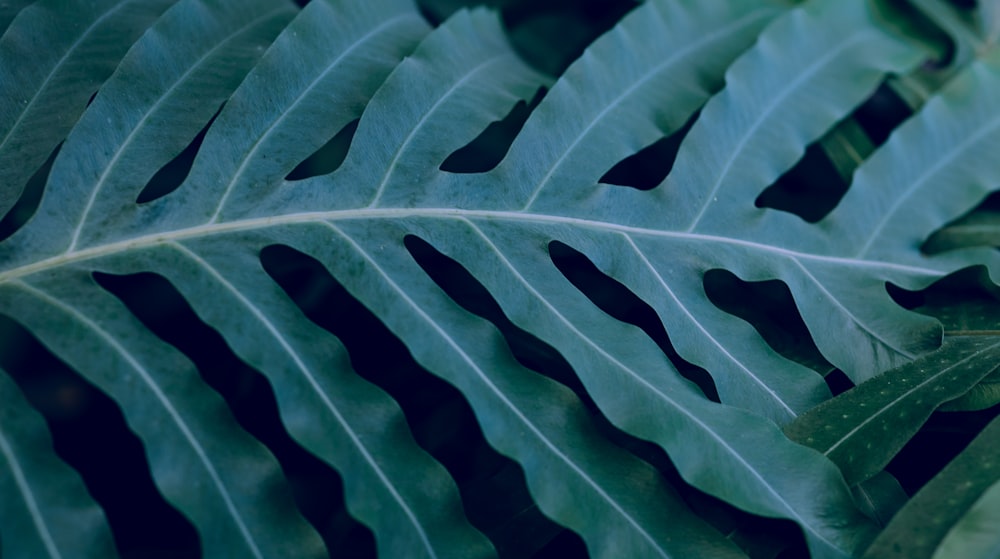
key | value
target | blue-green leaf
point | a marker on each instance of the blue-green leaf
(975, 535)
(72, 49)
(46, 510)
(920, 526)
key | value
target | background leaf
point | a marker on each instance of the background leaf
(918, 528)
(975, 535)
(863, 428)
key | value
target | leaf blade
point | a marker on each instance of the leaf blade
(48, 513)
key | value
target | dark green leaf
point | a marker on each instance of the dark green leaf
(863, 428)
(920, 526)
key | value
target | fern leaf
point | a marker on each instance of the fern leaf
(768, 82)
(72, 49)
(201, 459)
(46, 511)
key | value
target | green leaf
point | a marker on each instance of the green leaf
(989, 21)
(848, 146)
(9, 9)
(978, 229)
(226, 481)
(767, 81)
(863, 428)
(72, 49)
(974, 316)
(920, 526)
(880, 497)
(984, 395)
(46, 510)
(975, 535)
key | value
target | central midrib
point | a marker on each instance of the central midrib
(258, 223)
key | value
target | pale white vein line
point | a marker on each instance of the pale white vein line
(721, 348)
(706, 40)
(568, 324)
(29, 499)
(258, 223)
(55, 70)
(939, 163)
(138, 128)
(849, 314)
(484, 378)
(163, 399)
(307, 374)
(655, 390)
(903, 396)
(427, 115)
(774, 104)
(261, 139)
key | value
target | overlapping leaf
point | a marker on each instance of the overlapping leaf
(862, 429)
(975, 535)
(920, 526)
(788, 77)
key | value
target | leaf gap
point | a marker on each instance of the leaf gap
(979, 227)
(964, 300)
(648, 167)
(488, 148)
(770, 308)
(494, 492)
(810, 189)
(31, 197)
(467, 292)
(882, 113)
(838, 382)
(622, 304)
(316, 487)
(170, 177)
(329, 157)
(89, 433)
(943, 437)
(904, 297)
(471, 295)
(550, 38)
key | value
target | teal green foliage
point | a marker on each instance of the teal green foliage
(642, 447)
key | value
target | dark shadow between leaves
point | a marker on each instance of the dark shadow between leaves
(329, 157)
(317, 488)
(951, 299)
(490, 147)
(939, 441)
(619, 302)
(810, 189)
(170, 177)
(770, 308)
(979, 227)
(882, 113)
(492, 487)
(89, 432)
(535, 354)
(551, 35)
(27, 204)
(814, 186)
(646, 169)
